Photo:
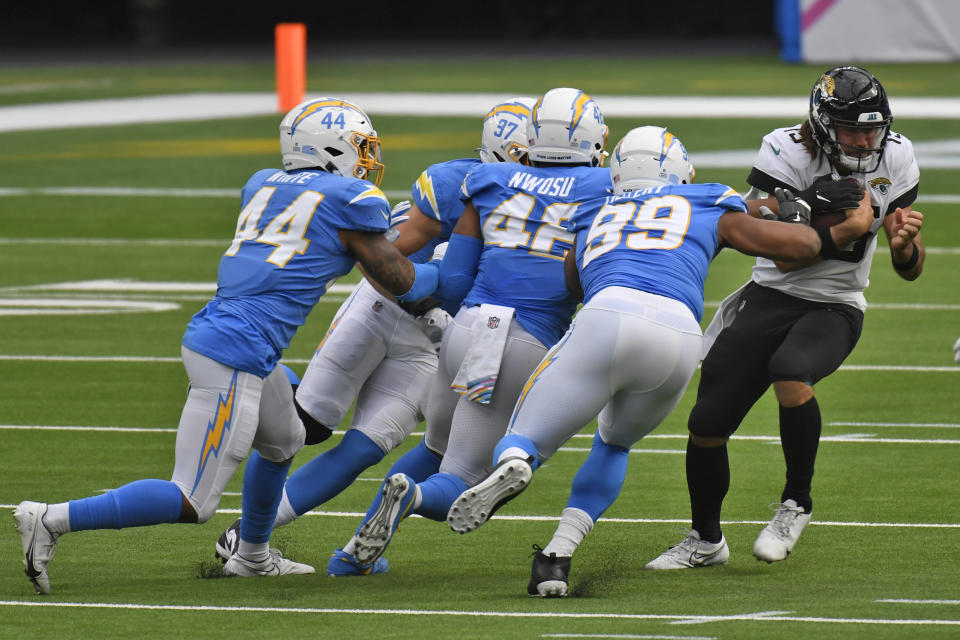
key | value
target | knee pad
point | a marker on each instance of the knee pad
(316, 432)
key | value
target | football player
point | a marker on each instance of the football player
(640, 259)
(383, 354)
(795, 322)
(299, 228)
(505, 260)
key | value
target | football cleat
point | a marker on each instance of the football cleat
(398, 493)
(39, 543)
(343, 564)
(478, 503)
(691, 553)
(228, 542)
(777, 539)
(274, 565)
(548, 575)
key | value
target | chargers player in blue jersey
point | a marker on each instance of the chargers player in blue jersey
(384, 355)
(640, 259)
(505, 260)
(299, 229)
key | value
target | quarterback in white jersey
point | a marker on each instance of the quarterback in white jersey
(299, 229)
(796, 321)
(641, 257)
(382, 354)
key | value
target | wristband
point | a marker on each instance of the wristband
(828, 249)
(910, 263)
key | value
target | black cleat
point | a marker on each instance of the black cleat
(548, 575)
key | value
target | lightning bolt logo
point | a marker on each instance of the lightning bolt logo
(372, 192)
(532, 380)
(578, 109)
(313, 107)
(216, 429)
(667, 140)
(516, 108)
(425, 187)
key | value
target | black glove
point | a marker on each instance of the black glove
(827, 194)
(792, 208)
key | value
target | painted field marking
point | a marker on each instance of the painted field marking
(760, 616)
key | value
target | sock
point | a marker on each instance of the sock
(599, 479)
(437, 495)
(285, 512)
(331, 472)
(800, 429)
(419, 463)
(262, 488)
(574, 526)
(513, 445)
(708, 479)
(137, 504)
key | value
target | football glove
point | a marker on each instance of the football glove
(398, 215)
(827, 194)
(433, 323)
(792, 209)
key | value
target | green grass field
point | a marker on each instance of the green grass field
(875, 563)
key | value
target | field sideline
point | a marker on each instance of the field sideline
(112, 233)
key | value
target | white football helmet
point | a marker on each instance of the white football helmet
(649, 156)
(566, 127)
(504, 136)
(333, 135)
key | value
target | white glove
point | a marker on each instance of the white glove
(956, 350)
(439, 251)
(433, 323)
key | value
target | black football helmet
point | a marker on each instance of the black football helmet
(850, 97)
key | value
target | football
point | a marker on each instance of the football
(827, 219)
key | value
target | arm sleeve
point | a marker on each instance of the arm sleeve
(459, 267)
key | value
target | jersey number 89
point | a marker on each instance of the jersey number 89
(658, 223)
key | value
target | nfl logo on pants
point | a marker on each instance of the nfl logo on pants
(493, 322)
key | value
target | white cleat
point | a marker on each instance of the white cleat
(274, 565)
(475, 505)
(397, 496)
(39, 543)
(776, 540)
(692, 553)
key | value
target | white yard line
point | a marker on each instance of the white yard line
(758, 616)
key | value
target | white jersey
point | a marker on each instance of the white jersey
(784, 162)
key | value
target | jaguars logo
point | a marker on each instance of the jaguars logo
(880, 184)
(825, 88)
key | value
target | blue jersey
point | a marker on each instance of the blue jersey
(437, 194)
(523, 212)
(659, 240)
(285, 254)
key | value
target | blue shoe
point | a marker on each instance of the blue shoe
(342, 564)
(397, 499)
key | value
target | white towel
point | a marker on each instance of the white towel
(722, 318)
(481, 365)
